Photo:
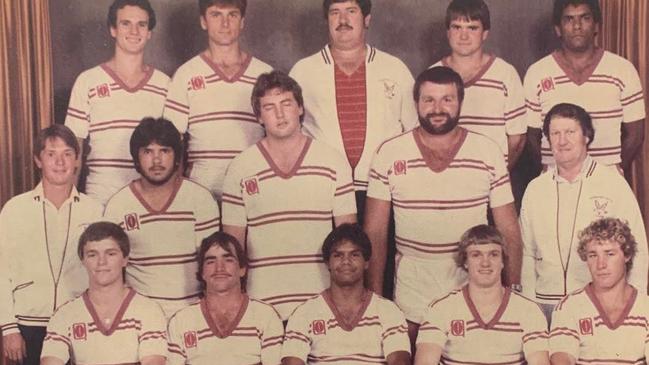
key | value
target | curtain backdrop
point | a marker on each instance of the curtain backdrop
(25, 89)
(625, 31)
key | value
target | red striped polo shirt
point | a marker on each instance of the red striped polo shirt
(351, 103)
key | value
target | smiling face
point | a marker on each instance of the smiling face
(223, 24)
(438, 107)
(484, 263)
(57, 162)
(466, 36)
(578, 28)
(347, 265)
(347, 26)
(131, 32)
(104, 262)
(221, 270)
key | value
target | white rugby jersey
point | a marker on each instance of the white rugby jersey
(254, 337)
(317, 334)
(432, 209)
(288, 216)
(106, 111)
(494, 102)
(612, 95)
(76, 332)
(215, 111)
(517, 330)
(162, 263)
(581, 328)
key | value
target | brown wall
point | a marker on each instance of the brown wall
(282, 31)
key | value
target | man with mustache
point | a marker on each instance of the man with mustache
(606, 85)
(440, 179)
(355, 96)
(165, 217)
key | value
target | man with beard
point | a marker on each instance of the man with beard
(346, 323)
(165, 217)
(440, 179)
(606, 85)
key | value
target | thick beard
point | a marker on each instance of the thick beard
(445, 128)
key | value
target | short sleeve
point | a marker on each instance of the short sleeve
(395, 330)
(177, 104)
(207, 214)
(379, 184)
(78, 114)
(234, 208)
(344, 196)
(433, 328)
(631, 98)
(271, 337)
(175, 343)
(564, 336)
(297, 340)
(500, 190)
(153, 335)
(535, 330)
(515, 122)
(57, 342)
(532, 101)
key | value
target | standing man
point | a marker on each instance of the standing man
(282, 197)
(494, 102)
(226, 325)
(356, 96)
(483, 322)
(440, 179)
(566, 199)
(165, 217)
(108, 101)
(209, 95)
(347, 323)
(605, 322)
(110, 323)
(38, 231)
(579, 72)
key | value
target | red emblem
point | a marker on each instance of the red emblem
(103, 91)
(319, 327)
(547, 84)
(400, 167)
(131, 222)
(251, 185)
(190, 339)
(457, 327)
(198, 83)
(586, 326)
(79, 331)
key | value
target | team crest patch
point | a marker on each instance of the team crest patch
(319, 327)
(198, 83)
(191, 340)
(400, 167)
(388, 88)
(131, 222)
(457, 327)
(103, 90)
(251, 185)
(600, 206)
(547, 84)
(79, 331)
(586, 326)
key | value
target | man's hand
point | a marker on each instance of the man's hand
(13, 347)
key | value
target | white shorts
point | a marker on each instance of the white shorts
(418, 282)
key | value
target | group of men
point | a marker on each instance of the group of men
(275, 161)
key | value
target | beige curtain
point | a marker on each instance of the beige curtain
(26, 92)
(625, 31)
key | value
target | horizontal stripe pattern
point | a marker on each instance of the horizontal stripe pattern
(284, 260)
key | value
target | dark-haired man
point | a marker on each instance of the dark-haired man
(282, 196)
(494, 103)
(346, 323)
(108, 101)
(38, 230)
(165, 217)
(440, 180)
(110, 323)
(355, 95)
(209, 95)
(226, 324)
(562, 201)
(606, 85)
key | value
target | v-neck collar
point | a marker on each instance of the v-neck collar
(113, 75)
(217, 70)
(279, 172)
(347, 325)
(145, 204)
(602, 312)
(483, 70)
(424, 150)
(118, 317)
(563, 65)
(476, 315)
(224, 332)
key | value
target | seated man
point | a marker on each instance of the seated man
(483, 322)
(109, 315)
(346, 323)
(226, 325)
(606, 321)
